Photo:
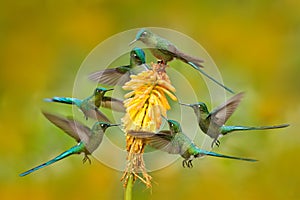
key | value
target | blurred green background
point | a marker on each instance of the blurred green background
(255, 44)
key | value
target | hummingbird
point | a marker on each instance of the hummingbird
(121, 75)
(88, 139)
(89, 106)
(174, 141)
(212, 123)
(107, 102)
(165, 51)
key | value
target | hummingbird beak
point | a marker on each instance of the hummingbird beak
(185, 104)
(133, 41)
(115, 124)
(164, 117)
(110, 89)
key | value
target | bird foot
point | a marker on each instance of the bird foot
(184, 163)
(187, 163)
(190, 164)
(85, 159)
(215, 142)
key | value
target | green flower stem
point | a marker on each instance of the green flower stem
(128, 188)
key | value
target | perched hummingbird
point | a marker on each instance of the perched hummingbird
(88, 139)
(89, 106)
(212, 123)
(164, 50)
(121, 75)
(175, 141)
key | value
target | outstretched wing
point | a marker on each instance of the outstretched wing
(163, 140)
(70, 126)
(222, 113)
(114, 76)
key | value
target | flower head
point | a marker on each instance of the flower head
(145, 105)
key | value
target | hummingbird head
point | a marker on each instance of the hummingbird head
(174, 126)
(102, 126)
(137, 56)
(143, 35)
(101, 90)
(201, 107)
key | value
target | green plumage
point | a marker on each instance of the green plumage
(175, 141)
(212, 123)
(121, 75)
(166, 51)
(88, 139)
(89, 106)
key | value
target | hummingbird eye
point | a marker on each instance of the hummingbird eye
(144, 33)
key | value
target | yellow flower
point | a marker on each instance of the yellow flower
(145, 105)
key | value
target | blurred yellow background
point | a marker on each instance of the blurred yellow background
(255, 44)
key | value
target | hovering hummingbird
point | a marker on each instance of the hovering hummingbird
(89, 106)
(121, 75)
(212, 123)
(174, 141)
(107, 102)
(164, 50)
(88, 139)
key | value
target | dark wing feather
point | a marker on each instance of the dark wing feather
(110, 76)
(184, 57)
(141, 134)
(70, 126)
(163, 140)
(168, 132)
(222, 113)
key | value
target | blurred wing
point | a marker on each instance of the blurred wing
(140, 68)
(163, 140)
(141, 134)
(70, 126)
(168, 132)
(114, 104)
(222, 113)
(96, 114)
(111, 76)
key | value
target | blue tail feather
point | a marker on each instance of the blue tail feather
(209, 153)
(66, 100)
(228, 129)
(74, 150)
(209, 77)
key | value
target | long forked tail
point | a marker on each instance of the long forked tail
(210, 153)
(228, 129)
(211, 78)
(190, 59)
(74, 150)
